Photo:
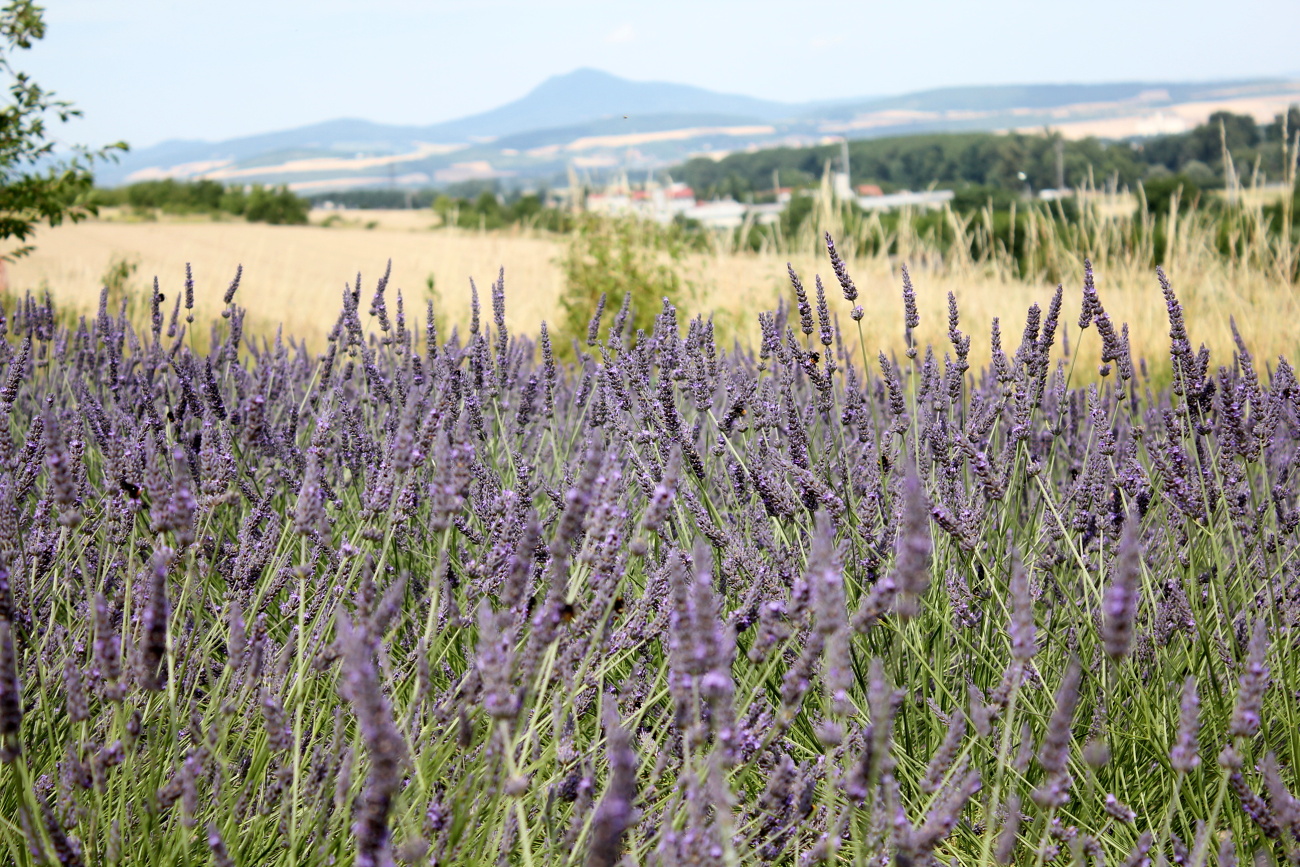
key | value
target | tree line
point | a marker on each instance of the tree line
(257, 204)
(1012, 162)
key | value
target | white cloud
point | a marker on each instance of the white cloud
(625, 33)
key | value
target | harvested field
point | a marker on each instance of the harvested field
(297, 274)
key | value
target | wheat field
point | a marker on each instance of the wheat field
(293, 277)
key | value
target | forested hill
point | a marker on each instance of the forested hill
(1009, 161)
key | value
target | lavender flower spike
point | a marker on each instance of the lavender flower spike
(234, 285)
(1251, 684)
(1185, 756)
(801, 296)
(153, 649)
(384, 745)
(841, 272)
(1054, 753)
(911, 318)
(614, 813)
(1121, 600)
(1023, 639)
(912, 564)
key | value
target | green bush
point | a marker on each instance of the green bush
(276, 206)
(617, 259)
(1161, 190)
(975, 197)
(486, 211)
(234, 201)
(259, 204)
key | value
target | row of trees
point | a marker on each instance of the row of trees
(1007, 162)
(375, 198)
(915, 162)
(258, 204)
(1249, 144)
(487, 210)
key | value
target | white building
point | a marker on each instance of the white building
(658, 202)
(928, 199)
(665, 202)
(718, 214)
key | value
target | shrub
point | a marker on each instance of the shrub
(1160, 191)
(276, 206)
(620, 261)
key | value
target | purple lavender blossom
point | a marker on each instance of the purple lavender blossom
(1121, 600)
(914, 547)
(1185, 755)
(384, 745)
(615, 812)
(841, 272)
(1251, 684)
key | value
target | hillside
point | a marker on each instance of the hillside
(598, 123)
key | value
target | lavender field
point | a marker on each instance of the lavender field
(450, 595)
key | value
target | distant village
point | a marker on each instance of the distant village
(665, 201)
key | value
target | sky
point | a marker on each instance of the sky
(146, 71)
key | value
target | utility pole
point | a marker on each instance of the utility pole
(1060, 163)
(841, 183)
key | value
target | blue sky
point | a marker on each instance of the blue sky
(150, 70)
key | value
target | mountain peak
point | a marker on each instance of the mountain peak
(582, 75)
(587, 94)
(605, 120)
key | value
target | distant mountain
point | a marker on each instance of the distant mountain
(1011, 97)
(566, 102)
(599, 123)
(616, 126)
(585, 95)
(329, 136)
